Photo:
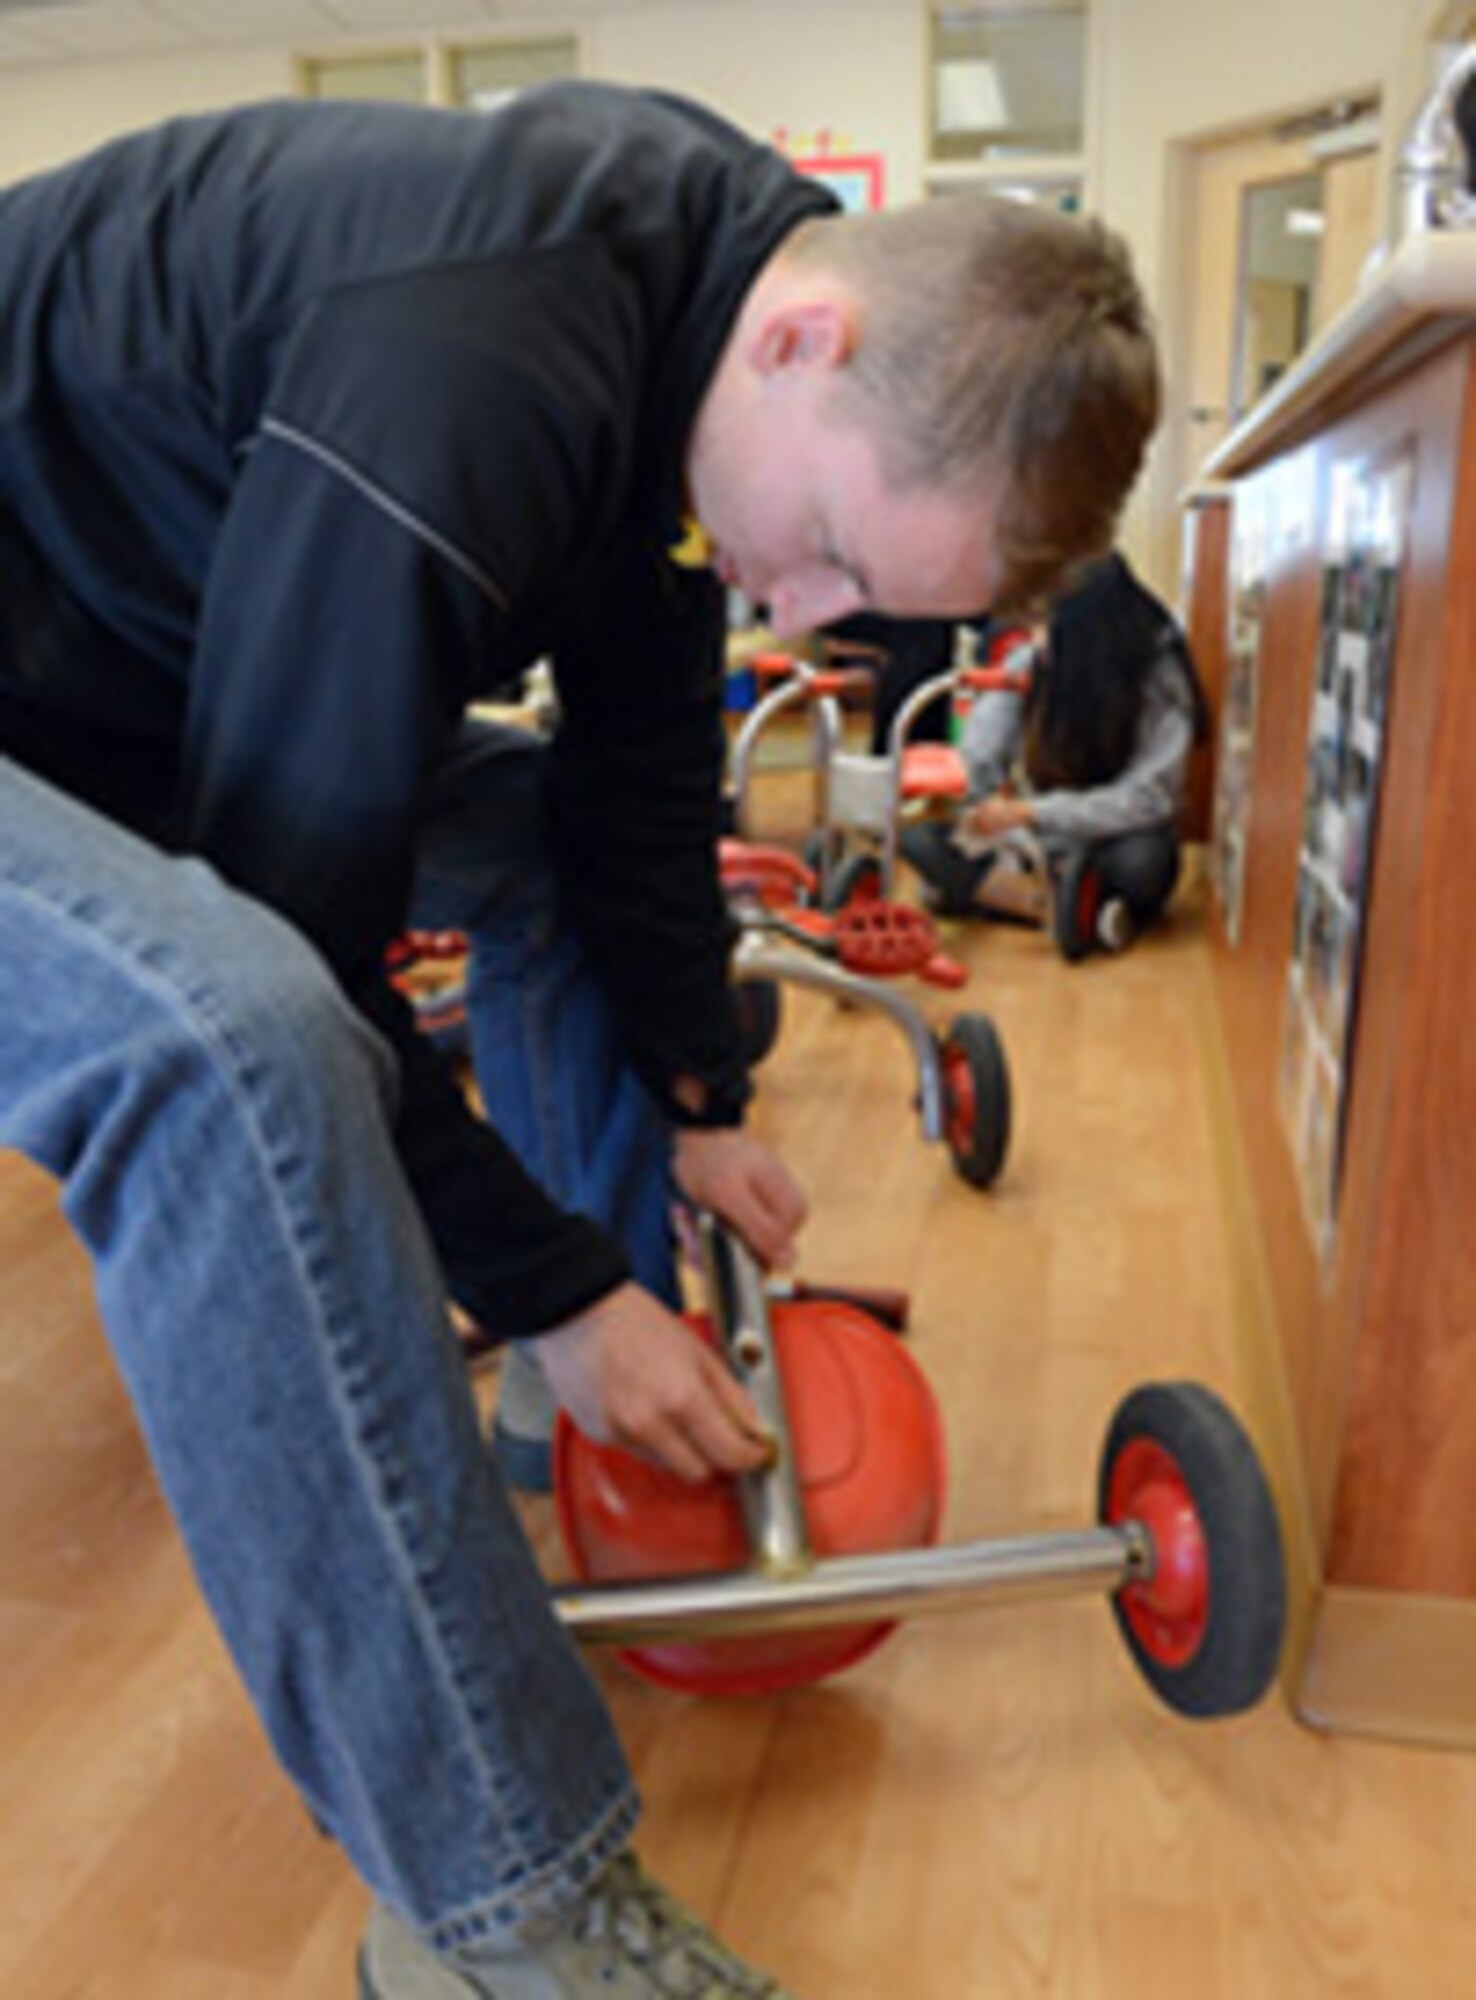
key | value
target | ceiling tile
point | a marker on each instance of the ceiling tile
(228, 21)
(390, 16)
(87, 28)
(50, 31)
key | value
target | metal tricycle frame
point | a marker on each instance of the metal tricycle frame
(859, 795)
(963, 1095)
(1188, 1547)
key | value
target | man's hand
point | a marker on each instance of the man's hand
(629, 1373)
(746, 1185)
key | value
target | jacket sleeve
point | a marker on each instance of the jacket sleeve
(991, 739)
(333, 659)
(1150, 788)
(635, 800)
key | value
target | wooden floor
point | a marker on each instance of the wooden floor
(992, 1806)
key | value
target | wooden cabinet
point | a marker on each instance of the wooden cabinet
(1371, 1331)
(1205, 613)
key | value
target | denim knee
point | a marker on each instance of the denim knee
(276, 1000)
(189, 1006)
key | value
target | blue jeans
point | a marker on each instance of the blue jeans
(218, 1117)
(548, 1060)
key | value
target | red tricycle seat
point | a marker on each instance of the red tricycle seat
(933, 771)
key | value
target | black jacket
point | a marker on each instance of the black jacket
(319, 422)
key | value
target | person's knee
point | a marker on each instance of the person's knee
(257, 991)
(178, 1039)
(1142, 868)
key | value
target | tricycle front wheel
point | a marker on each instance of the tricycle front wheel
(1206, 1623)
(976, 1098)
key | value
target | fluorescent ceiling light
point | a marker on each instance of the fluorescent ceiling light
(968, 98)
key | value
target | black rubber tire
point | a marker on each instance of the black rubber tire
(1074, 908)
(818, 855)
(1236, 1658)
(760, 1008)
(980, 1145)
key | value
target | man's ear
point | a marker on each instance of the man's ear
(805, 333)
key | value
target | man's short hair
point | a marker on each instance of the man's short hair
(1007, 344)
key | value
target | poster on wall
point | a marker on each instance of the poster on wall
(1368, 516)
(1271, 521)
(1249, 560)
(857, 180)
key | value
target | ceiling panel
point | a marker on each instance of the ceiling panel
(84, 30)
(92, 28)
(217, 21)
(392, 16)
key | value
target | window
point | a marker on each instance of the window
(396, 75)
(1281, 226)
(1007, 97)
(483, 75)
(475, 76)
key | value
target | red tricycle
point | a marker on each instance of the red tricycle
(800, 1570)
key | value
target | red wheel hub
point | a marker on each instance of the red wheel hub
(1169, 1610)
(1088, 897)
(960, 1100)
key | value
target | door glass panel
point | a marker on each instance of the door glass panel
(1281, 236)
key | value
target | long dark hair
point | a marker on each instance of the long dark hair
(1104, 639)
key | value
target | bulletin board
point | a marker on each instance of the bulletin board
(858, 180)
(1249, 562)
(1273, 520)
(1367, 527)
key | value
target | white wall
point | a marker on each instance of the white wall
(1177, 70)
(852, 68)
(49, 114)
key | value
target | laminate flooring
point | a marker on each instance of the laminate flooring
(992, 1806)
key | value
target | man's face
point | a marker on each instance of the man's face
(803, 519)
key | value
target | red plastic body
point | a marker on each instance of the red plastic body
(868, 1444)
